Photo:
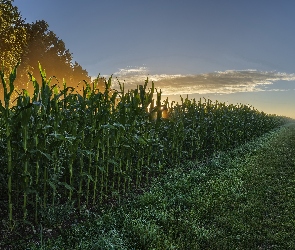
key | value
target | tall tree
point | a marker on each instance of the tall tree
(42, 45)
(34, 43)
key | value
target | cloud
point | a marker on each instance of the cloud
(222, 82)
(132, 70)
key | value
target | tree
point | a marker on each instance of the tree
(32, 44)
(12, 35)
(44, 47)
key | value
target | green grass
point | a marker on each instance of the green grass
(241, 199)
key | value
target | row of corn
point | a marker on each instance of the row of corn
(58, 145)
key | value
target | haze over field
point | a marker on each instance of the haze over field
(232, 51)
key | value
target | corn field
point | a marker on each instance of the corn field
(58, 145)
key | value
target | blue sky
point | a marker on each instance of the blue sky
(183, 40)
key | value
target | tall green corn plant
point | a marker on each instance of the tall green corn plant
(8, 90)
(23, 112)
(40, 128)
(42, 96)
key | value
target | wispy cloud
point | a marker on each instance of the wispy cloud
(223, 82)
(130, 70)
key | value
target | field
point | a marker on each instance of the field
(72, 159)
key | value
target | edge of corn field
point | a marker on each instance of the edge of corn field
(240, 199)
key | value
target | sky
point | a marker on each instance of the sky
(232, 51)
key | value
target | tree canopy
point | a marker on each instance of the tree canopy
(12, 35)
(31, 44)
